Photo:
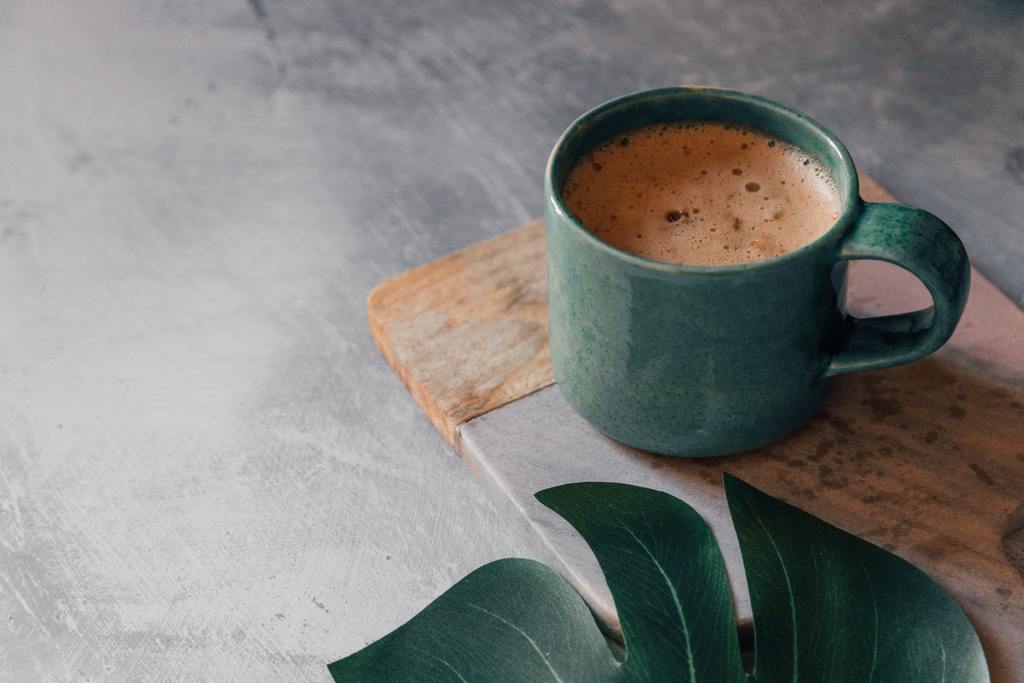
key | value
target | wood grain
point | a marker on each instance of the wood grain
(468, 333)
(926, 459)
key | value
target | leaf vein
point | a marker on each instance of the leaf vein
(442, 661)
(789, 593)
(525, 635)
(874, 635)
(676, 600)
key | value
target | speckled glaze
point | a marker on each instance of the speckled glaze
(710, 360)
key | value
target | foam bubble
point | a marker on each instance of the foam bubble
(639, 193)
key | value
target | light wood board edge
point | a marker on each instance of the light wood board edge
(490, 301)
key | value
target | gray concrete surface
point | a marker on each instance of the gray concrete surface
(206, 471)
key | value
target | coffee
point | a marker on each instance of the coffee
(702, 193)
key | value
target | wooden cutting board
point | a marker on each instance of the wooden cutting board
(926, 460)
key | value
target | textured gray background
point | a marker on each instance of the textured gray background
(206, 471)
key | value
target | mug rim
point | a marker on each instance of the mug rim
(850, 200)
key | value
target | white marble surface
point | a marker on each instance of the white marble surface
(206, 470)
(538, 442)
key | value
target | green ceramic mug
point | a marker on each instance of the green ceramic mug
(709, 360)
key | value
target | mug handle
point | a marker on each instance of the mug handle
(921, 243)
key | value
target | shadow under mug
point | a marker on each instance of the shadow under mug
(709, 360)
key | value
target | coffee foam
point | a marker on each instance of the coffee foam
(704, 193)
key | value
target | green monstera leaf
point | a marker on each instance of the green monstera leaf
(827, 606)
